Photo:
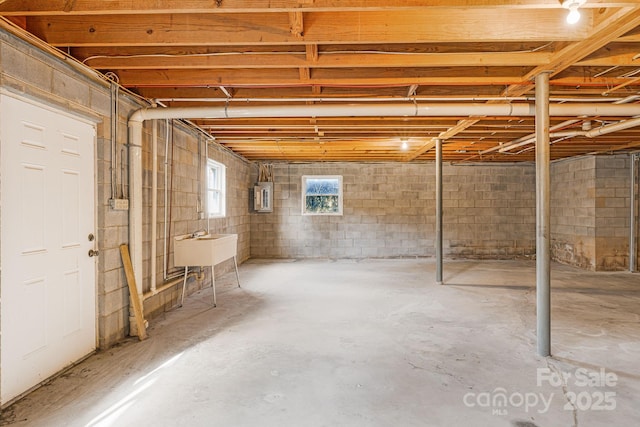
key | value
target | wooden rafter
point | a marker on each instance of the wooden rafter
(312, 59)
(326, 28)
(609, 29)
(270, 52)
(101, 7)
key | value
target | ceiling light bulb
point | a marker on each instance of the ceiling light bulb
(404, 146)
(573, 5)
(574, 14)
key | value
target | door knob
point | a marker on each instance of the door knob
(93, 253)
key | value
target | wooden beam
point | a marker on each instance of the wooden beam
(323, 77)
(312, 54)
(326, 60)
(461, 126)
(20, 21)
(101, 7)
(305, 74)
(445, 25)
(620, 54)
(609, 29)
(629, 38)
(296, 24)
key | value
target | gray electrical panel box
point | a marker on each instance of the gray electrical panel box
(263, 197)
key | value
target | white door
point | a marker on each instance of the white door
(47, 287)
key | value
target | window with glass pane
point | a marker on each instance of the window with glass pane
(216, 185)
(322, 195)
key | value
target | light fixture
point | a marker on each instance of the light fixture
(405, 145)
(574, 14)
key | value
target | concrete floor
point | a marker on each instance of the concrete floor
(367, 343)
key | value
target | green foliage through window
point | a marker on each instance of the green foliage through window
(322, 195)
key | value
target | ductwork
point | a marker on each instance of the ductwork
(341, 110)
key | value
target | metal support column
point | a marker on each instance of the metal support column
(633, 244)
(543, 258)
(439, 211)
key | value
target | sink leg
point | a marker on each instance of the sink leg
(184, 286)
(237, 276)
(213, 285)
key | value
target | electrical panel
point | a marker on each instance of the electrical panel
(263, 197)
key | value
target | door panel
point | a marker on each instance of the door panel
(47, 293)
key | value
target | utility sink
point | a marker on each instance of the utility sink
(205, 250)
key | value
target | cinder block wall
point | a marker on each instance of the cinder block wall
(573, 212)
(186, 163)
(590, 212)
(28, 71)
(612, 212)
(389, 211)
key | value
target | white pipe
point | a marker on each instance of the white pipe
(167, 195)
(348, 110)
(391, 99)
(114, 141)
(530, 139)
(527, 139)
(165, 253)
(615, 127)
(568, 134)
(173, 282)
(206, 190)
(389, 110)
(135, 201)
(603, 130)
(154, 205)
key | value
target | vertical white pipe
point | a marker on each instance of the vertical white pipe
(154, 205)
(633, 245)
(206, 185)
(135, 200)
(543, 263)
(114, 141)
(165, 252)
(439, 211)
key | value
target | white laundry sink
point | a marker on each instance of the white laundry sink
(205, 250)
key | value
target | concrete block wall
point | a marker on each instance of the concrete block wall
(636, 188)
(389, 211)
(612, 212)
(573, 225)
(489, 211)
(27, 70)
(187, 206)
(590, 212)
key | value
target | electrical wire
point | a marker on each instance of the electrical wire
(334, 52)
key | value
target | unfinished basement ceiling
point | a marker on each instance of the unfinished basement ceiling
(300, 52)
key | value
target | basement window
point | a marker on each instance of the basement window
(216, 189)
(322, 195)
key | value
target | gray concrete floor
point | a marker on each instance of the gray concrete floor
(367, 343)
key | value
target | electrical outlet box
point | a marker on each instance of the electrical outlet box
(119, 204)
